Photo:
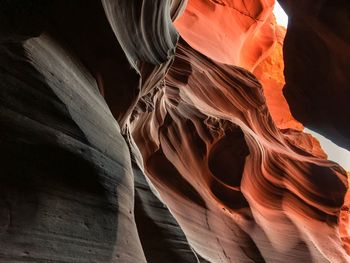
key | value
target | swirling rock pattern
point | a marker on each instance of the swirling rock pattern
(252, 189)
(254, 43)
(123, 140)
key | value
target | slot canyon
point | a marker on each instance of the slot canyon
(174, 131)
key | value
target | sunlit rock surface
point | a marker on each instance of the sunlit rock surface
(127, 138)
(251, 188)
(254, 43)
(228, 31)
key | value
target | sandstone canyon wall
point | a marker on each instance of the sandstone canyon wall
(172, 131)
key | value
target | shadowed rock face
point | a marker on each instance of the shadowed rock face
(67, 180)
(317, 54)
(122, 141)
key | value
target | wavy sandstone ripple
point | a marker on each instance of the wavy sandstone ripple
(166, 131)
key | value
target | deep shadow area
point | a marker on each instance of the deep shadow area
(54, 205)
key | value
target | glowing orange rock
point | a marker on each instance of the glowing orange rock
(344, 222)
(270, 74)
(243, 34)
(239, 187)
(230, 32)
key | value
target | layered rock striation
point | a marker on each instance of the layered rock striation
(160, 131)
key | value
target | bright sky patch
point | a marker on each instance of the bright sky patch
(281, 16)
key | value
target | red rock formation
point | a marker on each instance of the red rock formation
(270, 74)
(344, 222)
(91, 103)
(213, 152)
(231, 32)
(254, 43)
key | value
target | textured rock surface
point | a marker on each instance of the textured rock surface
(67, 180)
(270, 74)
(208, 27)
(251, 189)
(254, 43)
(121, 142)
(66, 188)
